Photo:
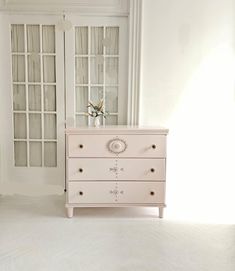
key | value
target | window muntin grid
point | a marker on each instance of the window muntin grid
(96, 71)
(34, 95)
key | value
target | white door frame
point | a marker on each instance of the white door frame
(135, 20)
(39, 175)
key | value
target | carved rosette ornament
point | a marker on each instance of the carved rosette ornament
(117, 145)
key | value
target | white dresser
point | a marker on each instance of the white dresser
(116, 166)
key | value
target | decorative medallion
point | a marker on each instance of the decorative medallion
(117, 145)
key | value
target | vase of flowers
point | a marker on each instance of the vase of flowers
(97, 111)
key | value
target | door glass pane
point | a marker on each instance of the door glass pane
(81, 120)
(97, 70)
(111, 75)
(50, 126)
(97, 77)
(34, 98)
(34, 68)
(50, 154)
(17, 38)
(35, 154)
(81, 40)
(111, 120)
(20, 126)
(111, 99)
(50, 98)
(81, 99)
(112, 40)
(96, 94)
(20, 154)
(18, 68)
(81, 70)
(35, 45)
(33, 38)
(48, 39)
(35, 127)
(97, 35)
(19, 98)
(49, 73)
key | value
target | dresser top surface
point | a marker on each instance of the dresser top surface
(118, 129)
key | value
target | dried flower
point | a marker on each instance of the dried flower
(97, 110)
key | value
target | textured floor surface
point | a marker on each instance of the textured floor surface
(35, 235)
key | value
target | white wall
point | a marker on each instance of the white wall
(188, 74)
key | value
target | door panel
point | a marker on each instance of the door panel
(36, 145)
(96, 65)
(96, 68)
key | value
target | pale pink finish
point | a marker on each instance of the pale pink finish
(97, 176)
(96, 145)
(161, 209)
(70, 212)
(112, 192)
(118, 130)
(116, 169)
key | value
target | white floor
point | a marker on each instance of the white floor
(35, 235)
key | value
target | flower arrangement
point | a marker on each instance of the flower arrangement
(97, 110)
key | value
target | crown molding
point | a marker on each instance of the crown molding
(112, 7)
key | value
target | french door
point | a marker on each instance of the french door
(46, 94)
(35, 150)
(96, 68)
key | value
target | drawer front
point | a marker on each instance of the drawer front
(82, 169)
(127, 146)
(116, 192)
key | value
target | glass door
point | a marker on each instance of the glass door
(37, 100)
(96, 68)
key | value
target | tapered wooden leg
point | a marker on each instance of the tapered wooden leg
(69, 212)
(161, 212)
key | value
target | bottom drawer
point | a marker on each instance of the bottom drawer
(116, 192)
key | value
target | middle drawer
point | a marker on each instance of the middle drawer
(115, 169)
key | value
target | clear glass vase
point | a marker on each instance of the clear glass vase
(97, 121)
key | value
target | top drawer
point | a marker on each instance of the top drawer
(148, 146)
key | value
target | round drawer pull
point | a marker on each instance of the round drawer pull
(154, 146)
(152, 170)
(81, 146)
(80, 170)
(80, 193)
(152, 193)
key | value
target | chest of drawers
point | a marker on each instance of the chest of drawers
(115, 167)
